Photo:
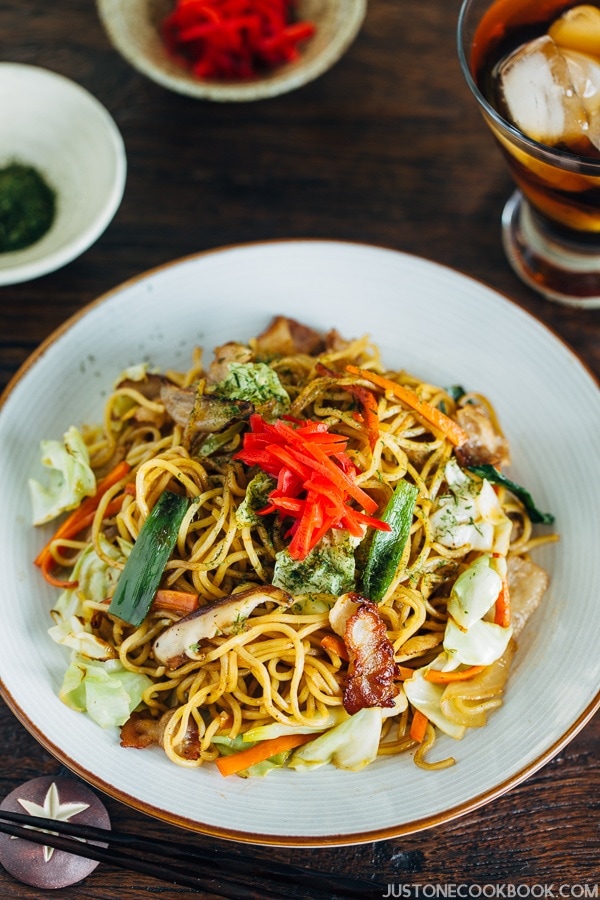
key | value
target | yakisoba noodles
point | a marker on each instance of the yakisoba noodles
(289, 556)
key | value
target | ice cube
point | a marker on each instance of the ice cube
(539, 94)
(578, 29)
(585, 75)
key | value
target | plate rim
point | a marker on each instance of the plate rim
(315, 841)
(68, 323)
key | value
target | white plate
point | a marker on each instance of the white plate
(428, 319)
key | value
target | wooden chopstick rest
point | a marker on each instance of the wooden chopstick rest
(53, 797)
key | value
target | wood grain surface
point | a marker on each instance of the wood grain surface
(387, 148)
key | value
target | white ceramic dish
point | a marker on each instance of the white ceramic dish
(59, 128)
(427, 319)
(134, 30)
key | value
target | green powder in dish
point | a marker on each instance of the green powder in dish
(27, 207)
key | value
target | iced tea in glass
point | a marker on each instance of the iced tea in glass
(534, 68)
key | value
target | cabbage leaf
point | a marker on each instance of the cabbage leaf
(329, 568)
(258, 383)
(333, 717)
(469, 638)
(470, 514)
(352, 744)
(104, 689)
(426, 697)
(474, 592)
(96, 581)
(70, 478)
(481, 645)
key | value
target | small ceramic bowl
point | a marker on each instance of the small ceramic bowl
(55, 126)
(134, 29)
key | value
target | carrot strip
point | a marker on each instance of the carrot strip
(72, 524)
(370, 411)
(434, 416)
(367, 400)
(183, 602)
(404, 672)
(112, 509)
(418, 726)
(47, 563)
(335, 644)
(309, 522)
(237, 762)
(502, 609)
(437, 677)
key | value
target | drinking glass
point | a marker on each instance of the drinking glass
(551, 224)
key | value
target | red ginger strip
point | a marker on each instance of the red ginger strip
(315, 480)
(234, 39)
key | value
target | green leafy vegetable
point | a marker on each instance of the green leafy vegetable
(256, 382)
(143, 570)
(329, 568)
(104, 689)
(70, 479)
(352, 744)
(334, 716)
(493, 475)
(426, 697)
(386, 548)
(95, 581)
(456, 391)
(257, 497)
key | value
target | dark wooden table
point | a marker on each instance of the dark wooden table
(387, 148)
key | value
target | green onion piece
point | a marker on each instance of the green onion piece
(145, 565)
(456, 391)
(386, 547)
(492, 474)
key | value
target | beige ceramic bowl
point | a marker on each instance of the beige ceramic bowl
(133, 27)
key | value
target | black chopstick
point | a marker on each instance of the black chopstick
(220, 872)
(207, 883)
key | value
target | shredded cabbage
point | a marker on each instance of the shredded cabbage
(481, 645)
(258, 770)
(329, 568)
(122, 403)
(470, 514)
(70, 479)
(474, 592)
(104, 689)
(468, 639)
(426, 697)
(469, 702)
(258, 383)
(136, 372)
(95, 582)
(334, 716)
(352, 744)
(257, 497)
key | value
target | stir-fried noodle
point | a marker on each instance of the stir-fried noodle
(279, 660)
